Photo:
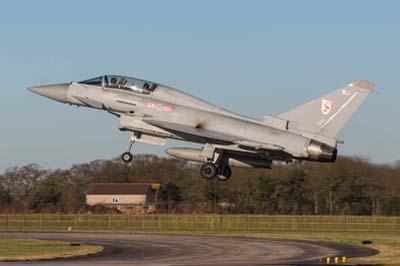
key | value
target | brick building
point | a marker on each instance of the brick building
(126, 197)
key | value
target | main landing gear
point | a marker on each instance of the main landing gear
(210, 171)
(127, 156)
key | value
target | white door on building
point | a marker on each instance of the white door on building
(114, 200)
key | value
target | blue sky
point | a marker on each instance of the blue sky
(253, 57)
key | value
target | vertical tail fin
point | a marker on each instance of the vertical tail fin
(328, 114)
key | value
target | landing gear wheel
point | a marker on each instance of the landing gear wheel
(208, 170)
(127, 157)
(224, 173)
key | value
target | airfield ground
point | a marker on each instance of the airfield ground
(387, 243)
(32, 249)
(384, 232)
(168, 250)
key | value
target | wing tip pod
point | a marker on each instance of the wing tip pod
(364, 85)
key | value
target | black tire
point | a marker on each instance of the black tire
(127, 157)
(224, 173)
(208, 171)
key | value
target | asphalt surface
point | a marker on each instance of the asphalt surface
(148, 249)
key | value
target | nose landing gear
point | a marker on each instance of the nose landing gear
(127, 156)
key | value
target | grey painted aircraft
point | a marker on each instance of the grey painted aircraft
(154, 113)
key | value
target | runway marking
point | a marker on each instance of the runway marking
(236, 252)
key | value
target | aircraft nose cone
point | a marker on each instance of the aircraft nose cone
(56, 92)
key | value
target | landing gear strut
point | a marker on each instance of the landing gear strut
(127, 156)
(211, 170)
(224, 173)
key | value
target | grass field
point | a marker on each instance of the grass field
(30, 249)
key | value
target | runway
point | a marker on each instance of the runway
(163, 250)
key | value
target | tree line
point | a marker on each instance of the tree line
(350, 186)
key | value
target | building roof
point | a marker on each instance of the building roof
(118, 189)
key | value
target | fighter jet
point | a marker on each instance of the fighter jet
(154, 112)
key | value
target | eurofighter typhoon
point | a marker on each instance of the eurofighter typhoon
(155, 112)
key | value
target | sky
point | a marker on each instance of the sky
(251, 57)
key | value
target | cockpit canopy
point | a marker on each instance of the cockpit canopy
(123, 83)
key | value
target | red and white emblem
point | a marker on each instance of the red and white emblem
(326, 106)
